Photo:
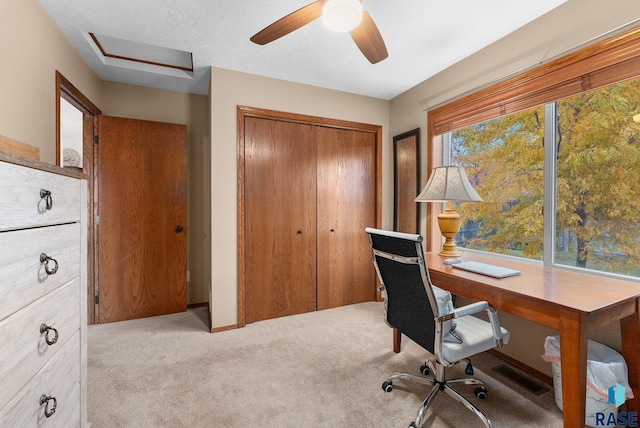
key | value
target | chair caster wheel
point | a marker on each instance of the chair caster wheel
(481, 392)
(469, 370)
(387, 386)
(412, 425)
(425, 370)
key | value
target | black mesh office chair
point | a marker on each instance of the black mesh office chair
(425, 314)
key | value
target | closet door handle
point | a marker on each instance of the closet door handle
(299, 232)
(332, 230)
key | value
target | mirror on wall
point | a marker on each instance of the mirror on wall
(406, 166)
(71, 135)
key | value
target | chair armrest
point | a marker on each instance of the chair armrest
(472, 308)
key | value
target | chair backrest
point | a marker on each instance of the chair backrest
(410, 302)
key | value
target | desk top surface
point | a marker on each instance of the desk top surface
(578, 291)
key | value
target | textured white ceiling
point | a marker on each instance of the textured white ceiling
(423, 37)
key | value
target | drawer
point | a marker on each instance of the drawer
(23, 278)
(28, 350)
(22, 206)
(60, 378)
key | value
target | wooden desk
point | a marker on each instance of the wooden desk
(571, 302)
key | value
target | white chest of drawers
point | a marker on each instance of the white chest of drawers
(43, 289)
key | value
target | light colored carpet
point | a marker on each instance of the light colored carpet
(321, 369)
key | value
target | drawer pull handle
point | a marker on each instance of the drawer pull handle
(44, 399)
(46, 195)
(46, 329)
(46, 259)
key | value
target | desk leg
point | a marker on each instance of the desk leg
(397, 338)
(630, 331)
(573, 359)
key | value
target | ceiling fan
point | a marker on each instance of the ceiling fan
(338, 15)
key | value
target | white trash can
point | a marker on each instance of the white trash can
(605, 368)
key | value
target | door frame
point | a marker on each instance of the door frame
(90, 117)
(244, 112)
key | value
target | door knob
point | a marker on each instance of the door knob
(179, 228)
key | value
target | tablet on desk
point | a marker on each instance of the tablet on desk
(485, 269)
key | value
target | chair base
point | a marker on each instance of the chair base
(440, 383)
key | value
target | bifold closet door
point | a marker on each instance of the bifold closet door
(346, 205)
(280, 219)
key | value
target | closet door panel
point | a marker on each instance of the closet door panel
(280, 218)
(346, 205)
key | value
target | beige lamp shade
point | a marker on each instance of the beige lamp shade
(446, 184)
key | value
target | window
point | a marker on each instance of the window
(504, 160)
(597, 158)
(573, 203)
(597, 188)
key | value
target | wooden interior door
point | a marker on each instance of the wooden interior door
(280, 218)
(346, 205)
(142, 196)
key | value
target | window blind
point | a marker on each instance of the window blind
(598, 65)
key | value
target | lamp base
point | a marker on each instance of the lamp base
(448, 254)
(449, 223)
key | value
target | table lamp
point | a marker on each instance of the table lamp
(446, 184)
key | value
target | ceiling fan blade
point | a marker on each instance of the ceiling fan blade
(289, 23)
(368, 38)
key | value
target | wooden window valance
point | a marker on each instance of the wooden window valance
(597, 65)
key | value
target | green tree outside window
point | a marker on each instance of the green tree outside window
(597, 181)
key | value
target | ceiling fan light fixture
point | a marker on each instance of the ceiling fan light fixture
(342, 15)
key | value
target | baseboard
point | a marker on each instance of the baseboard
(543, 377)
(224, 328)
(213, 330)
(197, 305)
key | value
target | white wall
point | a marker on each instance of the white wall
(230, 89)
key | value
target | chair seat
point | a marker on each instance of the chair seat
(477, 336)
